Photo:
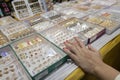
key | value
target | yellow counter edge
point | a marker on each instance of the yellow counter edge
(77, 74)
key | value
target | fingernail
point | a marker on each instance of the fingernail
(67, 41)
(64, 42)
(64, 48)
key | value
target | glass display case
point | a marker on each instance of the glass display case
(64, 5)
(27, 8)
(51, 15)
(43, 26)
(34, 20)
(3, 39)
(10, 68)
(39, 24)
(104, 2)
(72, 12)
(58, 35)
(82, 28)
(34, 6)
(38, 56)
(54, 16)
(21, 9)
(16, 30)
(7, 20)
(109, 24)
(110, 14)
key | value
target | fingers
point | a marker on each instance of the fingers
(79, 42)
(71, 47)
(72, 55)
(91, 48)
(76, 47)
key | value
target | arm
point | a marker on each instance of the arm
(89, 60)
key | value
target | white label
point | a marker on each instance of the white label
(41, 75)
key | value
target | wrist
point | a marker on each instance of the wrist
(105, 72)
(98, 68)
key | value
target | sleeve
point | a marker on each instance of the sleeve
(117, 77)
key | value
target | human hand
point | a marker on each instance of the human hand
(86, 58)
(89, 60)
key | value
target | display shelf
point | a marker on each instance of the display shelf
(109, 24)
(51, 15)
(32, 2)
(19, 3)
(71, 12)
(39, 24)
(115, 7)
(89, 8)
(82, 8)
(105, 2)
(16, 30)
(109, 14)
(98, 6)
(58, 35)
(10, 67)
(54, 16)
(38, 56)
(64, 5)
(25, 9)
(3, 39)
(43, 26)
(34, 6)
(6, 20)
(21, 11)
(92, 6)
(34, 20)
(82, 28)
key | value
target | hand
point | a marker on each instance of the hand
(89, 60)
(86, 58)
